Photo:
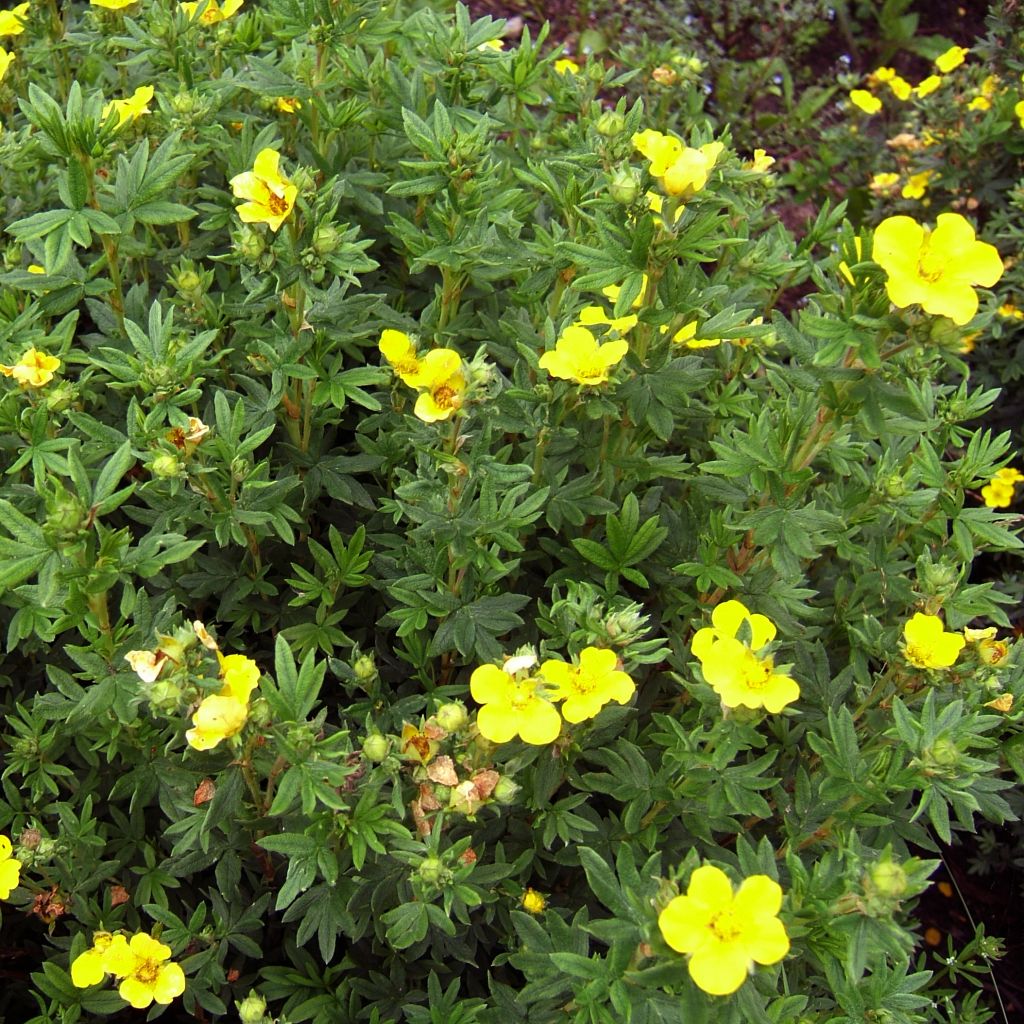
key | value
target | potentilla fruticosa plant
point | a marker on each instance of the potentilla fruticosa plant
(462, 557)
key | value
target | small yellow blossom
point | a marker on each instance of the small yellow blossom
(10, 868)
(613, 291)
(725, 932)
(730, 659)
(400, 351)
(492, 44)
(844, 267)
(147, 665)
(148, 974)
(288, 104)
(113, 5)
(533, 902)
(999, 492)
(866, 101)
(92, 966)
(1018, 109)
(928, 85)
(1003, 703)
(567, 66)
(587, 687)
(593, 316)
(883, 74)
(577, 356)
(990, 650)
(132, 108)
(952, 58)
(917, 185)
(6, 59)
(513, 706)
(665, 75)
(900, 87)
(35, 268)
(928, 645)
(687, 335)
(240, 675)
(936, 269)
(661, 150)
(34, 369)
(980, 103)
(12, 22)
(213, 12)
(690, 171)
(203, 635)
(217, 718)
(1010, 311)
(761, 162)
(883, 183)
(442, 383)
(269, 195)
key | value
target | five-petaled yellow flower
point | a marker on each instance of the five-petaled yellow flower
(730, 659)
(10, 868)
(533, 902)
(222, 715)
(952, 58)
(92, 966)
(687, 335)
(567, 66)
(288, 104)
(725, 932)
(937, 269)
(132, 108)
(12, 22)
(928, 85)
(269, 195)
(442, 383)
(587, 687)
(33, 370)
(999, 491)
(513, 704)
(148, 974)
(578, 356)
(6, 59)
(212, 10)
(400, 351)
(928, 645)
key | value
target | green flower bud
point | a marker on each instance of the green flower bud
(943, 753)
(365, 668)
(610, 124)
(252, 1009)
(326, 239)
(60, 397)
(164, 695)
(376, 747)
(625, 186)
(240, 468)
(451, 717)
(66, 515)
(250, 244)
(165, 467)
(305, 181)
(183, 102)
(432, 871)
(894, 486)
(889, 879)
(506, 791)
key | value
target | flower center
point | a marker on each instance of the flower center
(931, 265)
(277, 204)
(444, 396)
(147, 971)
(757, 672)
(723, 926)
(589, 371)
(410, 365)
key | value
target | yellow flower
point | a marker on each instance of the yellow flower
(6, 60)
(928, 85)
(107, 952)
(725, 932)
(400, 351)
(12, 22)
(687, 335)
(928, 645)
(212, 12)
(1010, 311)
(33, 370)
(10, 868)
(241, 675)
(882, 75)
(149, 974)
(761, 162)
(578, 356)
(591, 316)
(661, 150)
(990, 650)
(513, 707)
(203, 635)
(443, 385)
(217, 718)
(665, 75)
(587, 687)
(1003, 703)
(533, 902)
(866, 101)
(952, 58)
(980, 103)
(900, 87)
(288, 104)
(999, 492)
(844, 267)
(733, 668)
(689, 173)
(917, 185)
(492, 44)
(35, 268)
(612, 291)
(113, 5)
(132, 108)
(936, 269)
(1018, 109)
(883, 182)
(270, 196)
(147, 665)
(567, 66)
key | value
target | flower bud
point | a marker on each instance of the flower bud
(250, 244)
(183, 102)
(165, 467)
(304, 180)
(610, 124)
(60, 397)
(894, 486)
(432, 871)
(365, 668)
(326, 239)
(240, 468)
(66, 515)
(164, 695)
(506, 791)
(376, 747)
(252, 1009)
(451, 717)
(625, 186)
(888, 879)
(942, 753)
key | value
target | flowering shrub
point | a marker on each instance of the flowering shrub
(433, 536)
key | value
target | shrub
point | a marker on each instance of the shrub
(428, 542)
